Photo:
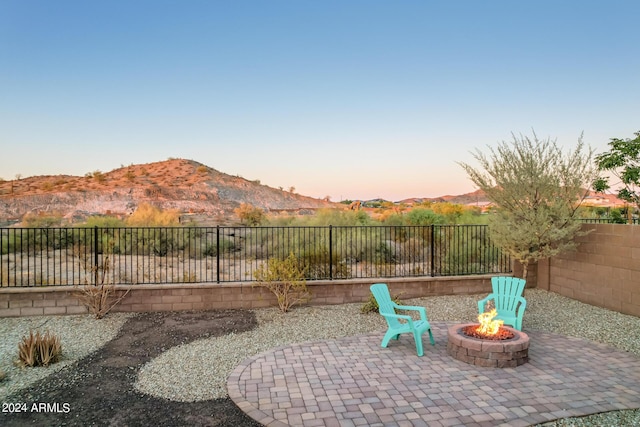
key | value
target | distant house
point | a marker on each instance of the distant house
(603, 201)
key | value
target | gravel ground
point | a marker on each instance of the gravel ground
(198, 371)
(79, 335)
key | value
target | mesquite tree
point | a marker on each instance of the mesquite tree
(536, 189)
(623, 162)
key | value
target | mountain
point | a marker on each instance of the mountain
(185, 185)
(475, 197)
(199, 192)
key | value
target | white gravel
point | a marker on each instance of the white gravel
(198, 370)
(79, 335)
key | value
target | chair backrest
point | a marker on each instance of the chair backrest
(380, 292)
(505, 290)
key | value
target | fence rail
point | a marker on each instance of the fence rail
(632, 221)
(151, 255)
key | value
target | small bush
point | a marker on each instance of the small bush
(371, 306)
(189, 278)
(39, 349)
(226, 246)
(250, 215)
(147, 215)
(98, 176)
(100, 297)
(285, 279)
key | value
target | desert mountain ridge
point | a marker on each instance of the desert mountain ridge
(179, 184)
(196, 190)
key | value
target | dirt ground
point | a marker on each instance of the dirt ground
(99, 389)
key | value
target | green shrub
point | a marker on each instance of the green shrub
(39, 349)
(103, 221)
(285, 279)
(42, 221)
(371, 305)
(226, 246)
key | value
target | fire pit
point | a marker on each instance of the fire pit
(488, 343)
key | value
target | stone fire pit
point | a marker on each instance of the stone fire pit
(507, 353)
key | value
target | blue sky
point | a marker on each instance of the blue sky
(351, 99)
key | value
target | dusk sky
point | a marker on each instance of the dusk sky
(352, 99)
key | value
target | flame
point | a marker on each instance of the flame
(488, 326)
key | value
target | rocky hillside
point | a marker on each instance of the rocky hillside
(190, 187)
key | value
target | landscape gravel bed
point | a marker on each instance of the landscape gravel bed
(197, 371)
(79, 336)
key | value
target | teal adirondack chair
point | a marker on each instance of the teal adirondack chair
(400, 323)
(508, 299)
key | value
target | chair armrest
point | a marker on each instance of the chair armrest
(523, 304)
(409, 319)
(483, 302)
(421, 310)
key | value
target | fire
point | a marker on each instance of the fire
(488, 326)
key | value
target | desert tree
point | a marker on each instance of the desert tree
(536, 189)
(623, 162)
(250, 215)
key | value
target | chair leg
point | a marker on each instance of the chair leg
(417, 336)
(431, 337)
(387, 337)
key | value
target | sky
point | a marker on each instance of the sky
(351, 99)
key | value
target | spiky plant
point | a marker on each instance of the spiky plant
(39, 349)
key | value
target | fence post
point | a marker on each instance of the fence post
(330, 252)
(95, 255)
(217, 254)
(432, 244)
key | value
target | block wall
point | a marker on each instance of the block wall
(52, 300)
(604, 271)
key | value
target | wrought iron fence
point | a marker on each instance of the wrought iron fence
(620, 220)
(77, 256)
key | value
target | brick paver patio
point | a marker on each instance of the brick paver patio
(354, 382)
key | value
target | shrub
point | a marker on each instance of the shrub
(250, 215)
(226, 246)
(39, 349)
(371, 306)
(189, 277)
(42, 221)
(103, 221)
(100, 297)
(318, 265)
(98, 176)
(147, 215)
(285, 279)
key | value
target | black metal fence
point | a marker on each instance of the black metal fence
(621, 220)
(77, 256)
